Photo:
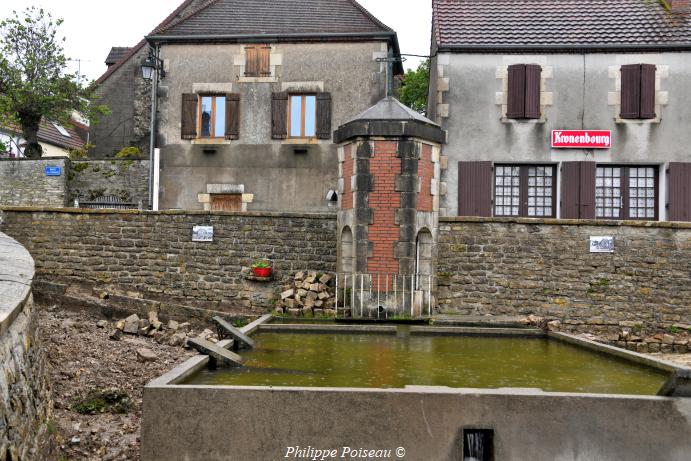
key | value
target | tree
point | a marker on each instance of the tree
(414, 89)
(33, 80)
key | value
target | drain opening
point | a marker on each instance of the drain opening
(478, 445)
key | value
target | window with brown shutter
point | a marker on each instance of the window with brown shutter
(232, 116)
(324, 115)
(638, 91)
(577, 190)
(475, 189)
(524, 91)
(189, 116)
(257, 61)
(679, 191)
(524, 190)
(279, 115)
(623, 192)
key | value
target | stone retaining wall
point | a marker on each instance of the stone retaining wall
(125, 178)
(148, 259)
(544, 267)
(25, 183)
(25, 403)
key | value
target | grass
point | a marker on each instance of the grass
(103, 401)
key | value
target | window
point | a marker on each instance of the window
(302, 120)
(212, 116)
(524, 190)
(523, 100)
(257, 61)
(626, 192)
(638, 91)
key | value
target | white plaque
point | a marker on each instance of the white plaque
(602, 244)
(203, 234)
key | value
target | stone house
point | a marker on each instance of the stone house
(249, 96)
(569, 109)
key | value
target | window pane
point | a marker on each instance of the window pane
(220, 125)
(295, 116)
(206, 115)
(310, 116)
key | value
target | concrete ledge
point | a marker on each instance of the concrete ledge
(345, 329)
(475, 331)
(564, 222)
(16, 275)
(253, 214)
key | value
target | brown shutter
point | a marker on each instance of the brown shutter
(679, 191)
(532, 90)
(648, 91)
(475, 189)
(279, 115)
(516, 96)
(251, 61)
(189, 116)
(577, 190)
(630, 91)
(232, 116)
(265, 61)
(324, 115)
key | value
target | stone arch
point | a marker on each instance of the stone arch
(346, 251)
(424, 254)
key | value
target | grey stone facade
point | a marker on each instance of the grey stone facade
(25, 400)
(25, 183)
(150, 256)
(520, 267)
(288, 175)
(126, 179)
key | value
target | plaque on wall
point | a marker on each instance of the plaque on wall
(602, 244)
(203, 234)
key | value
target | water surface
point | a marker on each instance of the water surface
(388, 361)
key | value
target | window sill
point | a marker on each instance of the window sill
(637, 121)
(211, 142)
(527, 121)
(257, 79)
(300, 141)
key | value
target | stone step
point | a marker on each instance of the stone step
(242, 339)
(212, 350)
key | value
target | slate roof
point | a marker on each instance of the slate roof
(275, 17)
(391, 108)
(558, 24)
(116, 54)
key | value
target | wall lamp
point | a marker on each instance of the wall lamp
(150, 64)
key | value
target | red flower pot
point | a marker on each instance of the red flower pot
(262, 271)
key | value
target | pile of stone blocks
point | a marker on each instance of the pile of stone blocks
(310, 293)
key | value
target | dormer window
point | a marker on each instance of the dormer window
(257, 61)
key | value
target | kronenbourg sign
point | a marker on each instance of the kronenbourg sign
(581, 139)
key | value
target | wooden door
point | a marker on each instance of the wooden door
(226, 202)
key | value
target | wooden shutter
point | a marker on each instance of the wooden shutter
(189, 116)
(516, 96)
(532, 90)
(251, 61)
(475, 189)
(324, 115)
(279, 115)
(630, 91)
(232, 116)
(648, 91)
(578, 190)
(264, 61)
(679, 191)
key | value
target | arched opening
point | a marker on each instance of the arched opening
(346, 253)
(424, 245)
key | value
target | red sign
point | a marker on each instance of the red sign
(581, 139)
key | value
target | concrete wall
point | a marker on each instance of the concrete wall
(128, 96)
(278, 178)
(24, 183)
(132, 258)
(522, 266)
(578, 92)
(25, 401)
(426, 423)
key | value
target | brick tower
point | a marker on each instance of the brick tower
(389, 185)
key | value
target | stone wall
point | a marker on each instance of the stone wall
(125, 178)
(544, 267)
(24, 183)
(132, 258)
(25, 402)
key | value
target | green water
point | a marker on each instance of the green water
(388, 361)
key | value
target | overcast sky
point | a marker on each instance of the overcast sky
(92, 28)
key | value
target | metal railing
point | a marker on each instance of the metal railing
(381, 296)
(106, 202)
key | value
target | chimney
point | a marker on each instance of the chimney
(678, 6)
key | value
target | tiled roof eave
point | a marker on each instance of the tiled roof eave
(566, 48)
(278, 36)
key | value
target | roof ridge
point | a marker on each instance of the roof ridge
(135, 49)
(370, 16)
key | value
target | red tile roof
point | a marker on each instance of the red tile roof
(559, 24)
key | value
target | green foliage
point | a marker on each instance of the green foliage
(79, 167)
(675, 330)
(261, 264)
(33, 80)
(239, 322)
(129, 152)
(82, 152)
(3, 147)
(413, 92)
(110, 400)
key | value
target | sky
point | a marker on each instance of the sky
(92, 28)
